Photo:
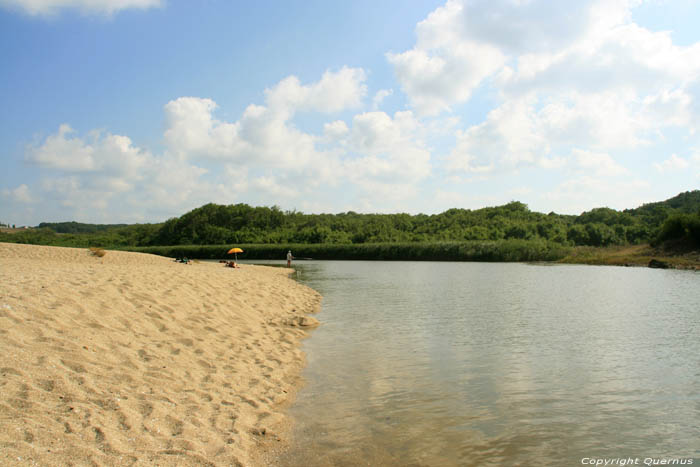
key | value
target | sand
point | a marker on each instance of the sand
(134, 359)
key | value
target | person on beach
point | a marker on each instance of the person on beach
(289, 258)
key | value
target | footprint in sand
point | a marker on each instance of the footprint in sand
(144, 356)
(174, 425)
(74, 366)
(145, 408)
(46, 384)
(123, 421)
(21, 399)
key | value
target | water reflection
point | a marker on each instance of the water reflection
(492, 364)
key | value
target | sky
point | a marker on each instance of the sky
(131, 111)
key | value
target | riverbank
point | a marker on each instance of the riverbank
(134, 359)
(478, 250)
(672, 257)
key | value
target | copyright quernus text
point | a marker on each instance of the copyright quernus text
(622, 461)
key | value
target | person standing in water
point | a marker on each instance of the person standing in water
(289, 258)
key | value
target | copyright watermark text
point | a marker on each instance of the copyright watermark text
(622, 461)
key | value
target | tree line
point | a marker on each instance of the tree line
(214, 224)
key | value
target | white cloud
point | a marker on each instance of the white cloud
(434, 80)
(336, 130)
(672, 164)
(621, 83)
(377, 149)
(569, 76)
(533, 131)
(262, 157)
(626, 57)
(599, 164)
(264, 135)
(461, 44)
(103, 173)
(335, 91)
(59, 151)
(20, 194)
(192, 131)
(104, 7)
(380, 96)
(390, 149)
(278, 189)
(100, 152)
(510, 137)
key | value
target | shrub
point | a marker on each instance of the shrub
(679, 227)
(99, 252)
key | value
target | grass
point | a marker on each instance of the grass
(635, 255)
(99, 252)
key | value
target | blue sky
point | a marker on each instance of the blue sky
(140, 110)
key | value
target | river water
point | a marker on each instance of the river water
(447, 364)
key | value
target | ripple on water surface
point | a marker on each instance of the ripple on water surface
(476, 364)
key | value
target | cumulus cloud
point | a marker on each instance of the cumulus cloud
(461, 44)
(264, 136)
(436, 80)
(568, 76)
(335, 91)
(103, 172)
(99, 152)
(572, 87)
(60, 151)
(510, 137)
(389, 148)
(261, 157)
(104, 7)
(192, 130)
(529, 131)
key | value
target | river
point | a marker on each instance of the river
(450, 364)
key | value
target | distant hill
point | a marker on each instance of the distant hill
(78, 227)
(687, 202)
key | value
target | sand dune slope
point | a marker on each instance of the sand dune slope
(134, 359)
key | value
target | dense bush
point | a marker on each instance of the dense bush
(238, 224)
(684, 227)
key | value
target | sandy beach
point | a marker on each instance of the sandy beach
(134, 359)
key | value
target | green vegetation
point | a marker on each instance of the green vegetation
(502, 250)
(635, 255)
(77, 227)
(683, 228)
(504, 233)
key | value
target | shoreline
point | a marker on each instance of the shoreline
(635, 256)
(134, 359)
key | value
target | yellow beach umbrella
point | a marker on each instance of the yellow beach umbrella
(235, 251)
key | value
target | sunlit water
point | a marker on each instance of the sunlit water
(441, 364)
